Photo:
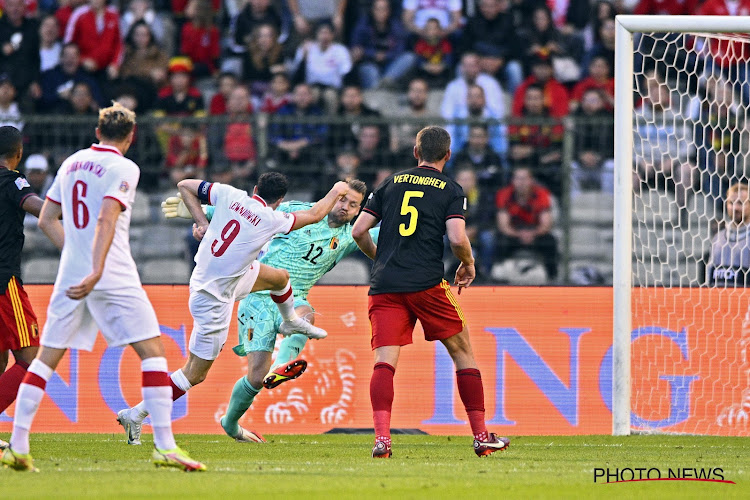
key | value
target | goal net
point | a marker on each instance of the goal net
(689, 228)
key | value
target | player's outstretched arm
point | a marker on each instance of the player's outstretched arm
(189, 192)
(317, 212)
(49, 223)
(361, 234)
(103, 236)
(33, 205)
(461, 247)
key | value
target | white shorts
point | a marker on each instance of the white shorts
(124, 316)
(212, 317)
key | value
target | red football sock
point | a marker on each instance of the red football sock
(381, 397)
(9, 383)
(472, 395)
(177, 393)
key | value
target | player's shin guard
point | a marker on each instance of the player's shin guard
(30, 394)
(243, 395)
(157, 397)
(284, 300)
(10, 381)
(381, 398)
(470, 389)
(289, 349)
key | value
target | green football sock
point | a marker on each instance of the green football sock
(289, 349)
(242, 397)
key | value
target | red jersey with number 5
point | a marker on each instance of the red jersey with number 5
(82, 183)
(240, 226)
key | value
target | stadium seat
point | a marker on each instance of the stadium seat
(161, 241)
(593, 208)
(40, 270)
(590, 242)
(166, 271)
(347, 272)
(521, 270)
(141, 209)
(37, 244)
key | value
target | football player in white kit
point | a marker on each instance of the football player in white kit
(226, 270)
(97, 285)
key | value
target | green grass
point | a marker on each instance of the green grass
(339, 466)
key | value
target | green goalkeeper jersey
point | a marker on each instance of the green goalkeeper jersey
(310, 252)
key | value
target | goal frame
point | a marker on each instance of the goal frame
(625, 26)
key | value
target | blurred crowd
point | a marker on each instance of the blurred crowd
(505, 73)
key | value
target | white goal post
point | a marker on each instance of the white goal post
(625, 28)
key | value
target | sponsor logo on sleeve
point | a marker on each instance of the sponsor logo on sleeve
(21, 183)
(124, 186)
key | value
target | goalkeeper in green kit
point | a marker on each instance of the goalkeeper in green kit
(307, 255)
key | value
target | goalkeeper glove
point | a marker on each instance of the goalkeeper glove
(173, 207)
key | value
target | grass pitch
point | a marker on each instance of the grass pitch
(339, 466)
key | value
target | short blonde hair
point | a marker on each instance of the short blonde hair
(736, 187)
(116, 122)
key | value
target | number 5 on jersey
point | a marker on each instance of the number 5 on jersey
(406, 209)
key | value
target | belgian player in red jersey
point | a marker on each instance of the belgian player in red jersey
(416, 208)
(19, 332)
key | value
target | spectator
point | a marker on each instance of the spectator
(600, 78)
(455, 97)
(491, 34)
(729, 261)
(231, 145)
(605, 46)
(254, 14)
(354, 112)
(143, 11)
(415, 116)
(603, 10)
(524, 220)
(19, 48)
(145, 63)
(434, 54)
(570, 16)
(555, 94)
(666, 8)
(593, 168)
(662, 140)
(477, 111)
(374, 159)
(81, 102)
(277, 95)
(478, 155)
(50, 46)
(296, 141)
(543, 39)
(36, 169)
(263, 59)
(379, 44)
(199, 38)
(307, 13)
(65, 11)
(417, 12)
(95, 28)
(226, 83)
(537, 140)
(10, 114)
(480, 223)
(187, 154)
(718, 137)
(180, 98)
(324, 63)
(58, 82)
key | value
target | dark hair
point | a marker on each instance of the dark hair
(358, 186)
(227, 74)
(272, 186)
(535, 86)
(130, 38)
(433, 143)
(11, 141)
